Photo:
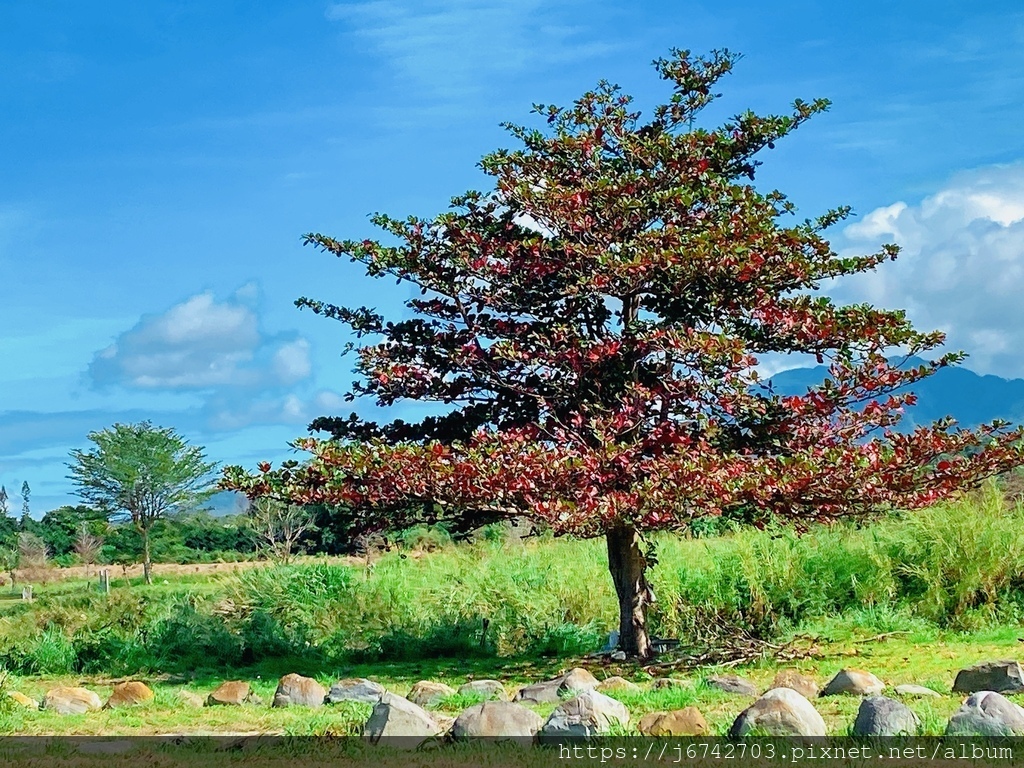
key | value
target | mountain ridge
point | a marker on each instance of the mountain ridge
(970, 398)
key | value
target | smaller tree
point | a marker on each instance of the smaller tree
(87, 545)
(142, 473)
(280, 526)
(33, 556)
(26, 492)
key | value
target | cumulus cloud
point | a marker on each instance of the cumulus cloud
(961, 267)
(291, 361)
(201, 344)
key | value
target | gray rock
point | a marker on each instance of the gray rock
(492, 689)
(589, 714)
(500, 720)
(398, 723)
(427, 693)
(540, 693)
(577, 680)
(358, 689)
(855, 682)
(65, 700)
(917, 691)
(732, 684)
(556, 690)
(1000, 676)
(780, 712)
(612, 643)
(880, 716)
(987, 713)
(444, 722)
(298, 691)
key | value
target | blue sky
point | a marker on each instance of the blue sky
(161, 160)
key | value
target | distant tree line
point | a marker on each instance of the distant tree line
(82, 535)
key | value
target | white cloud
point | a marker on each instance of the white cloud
(291, 362)
(961, 267)
(200, 344)
(327, 401)
(226, 415)
(453, 47)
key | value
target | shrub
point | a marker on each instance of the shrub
(189, 638)
(53, 653)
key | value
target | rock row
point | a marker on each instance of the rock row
(585, 709)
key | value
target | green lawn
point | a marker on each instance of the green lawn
(931, 661)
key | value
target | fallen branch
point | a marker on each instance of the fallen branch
(726, 646)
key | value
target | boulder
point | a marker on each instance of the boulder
(589, 714)
(428, 694)
(65, 700)
(502, 720)
(397, 722)
(190, 699)
(233, 693)
(662, 683)
(680, 722)
(780, 712)
(998, 676)
(790, 678)
(732, 684)
(616, 683)
(987, 713)
(855, 682)
(881, 716)
(558, 689)
(917, 691)
(298, 691)
(540, 693)
(358, 689)
(444, 722)
(129, 694)
(576, 681)
(492, 689)
(23, 700)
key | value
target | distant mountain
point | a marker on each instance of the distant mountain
(227, 503)
(968, 397)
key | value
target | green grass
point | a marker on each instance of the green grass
(895, 659)
(947, 581)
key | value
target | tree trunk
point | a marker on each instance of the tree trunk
(147, 565)
(628, 566)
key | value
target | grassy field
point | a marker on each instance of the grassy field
(910, 598)
(928, 660)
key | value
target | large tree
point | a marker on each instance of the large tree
(142, 473)
(591, 329)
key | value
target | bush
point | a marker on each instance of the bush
(53, 653)
(189, 638)
(956, 565)
(425, 538)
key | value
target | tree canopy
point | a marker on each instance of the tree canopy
(143, 473)
(590, 329)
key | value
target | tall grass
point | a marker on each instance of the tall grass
(957, 566)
